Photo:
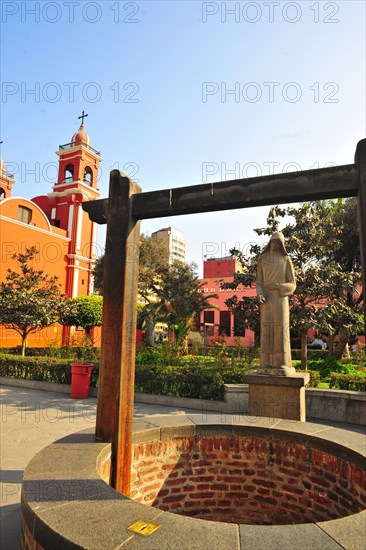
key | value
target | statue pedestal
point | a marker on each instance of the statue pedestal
(277, 396)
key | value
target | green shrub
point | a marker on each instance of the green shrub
(359, 357)
(190, 376)
(326, 367)
(45, 369)
(314, 379)
(167, 354)
(195, 381)
(351, 382)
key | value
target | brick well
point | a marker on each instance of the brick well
(246, 480)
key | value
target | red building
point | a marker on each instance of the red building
(220, 321)
(220, 267)
(56, 224)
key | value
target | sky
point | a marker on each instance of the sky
(180, 93)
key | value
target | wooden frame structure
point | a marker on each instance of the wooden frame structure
(122, 212)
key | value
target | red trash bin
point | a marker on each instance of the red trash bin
(80, 380)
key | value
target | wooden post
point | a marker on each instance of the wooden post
(117, 370)
(360, 162)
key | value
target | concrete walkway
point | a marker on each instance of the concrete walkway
(31, 420)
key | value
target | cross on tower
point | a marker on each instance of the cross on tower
(83, 115)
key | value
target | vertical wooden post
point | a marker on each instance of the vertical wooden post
(117, 370)
(360, 161)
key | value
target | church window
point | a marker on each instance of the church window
(24, 214)
(88, 175)
(2, 193)
(69, 172)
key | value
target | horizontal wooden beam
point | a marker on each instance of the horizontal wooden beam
(323, 183)
(97, 210)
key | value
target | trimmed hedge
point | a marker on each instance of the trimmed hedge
(44, 369)
(195, 381)
(350, 382)
(202, 381)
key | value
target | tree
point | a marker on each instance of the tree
(154, 262)
(153, 259)
(246, 309)
(182, 299)
(325, 293)
(30, 299)
(343, 316)
(98, 274)
(86, 312)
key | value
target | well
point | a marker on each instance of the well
(264, 479)
(250, 481)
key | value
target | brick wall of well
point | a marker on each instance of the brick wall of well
(247, 480)
(27, 541)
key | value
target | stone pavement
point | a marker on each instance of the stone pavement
(31, 420)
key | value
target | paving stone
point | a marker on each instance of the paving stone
(32, 419)
(179, 532)
(350, 531)
(285, 537)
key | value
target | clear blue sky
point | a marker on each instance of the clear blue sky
(154, 78)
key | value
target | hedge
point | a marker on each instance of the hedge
(45, 369)
(195, 381)
(351, 382)
(203, 382)
(313, 354)
(189, 380)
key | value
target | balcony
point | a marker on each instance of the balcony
(76, 143)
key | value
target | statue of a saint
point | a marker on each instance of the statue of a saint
(275, 282)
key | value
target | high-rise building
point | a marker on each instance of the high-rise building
(174, 242)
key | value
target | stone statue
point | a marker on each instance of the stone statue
(275, 282)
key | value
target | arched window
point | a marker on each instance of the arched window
(69, 172)
(88, 175)
(2, 193)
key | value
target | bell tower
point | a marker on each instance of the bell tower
(77, 182)
(79, 163)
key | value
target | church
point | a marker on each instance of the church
(56, 224)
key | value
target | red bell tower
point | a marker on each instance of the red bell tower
(77, 182)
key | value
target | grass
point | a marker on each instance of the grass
(323, 385)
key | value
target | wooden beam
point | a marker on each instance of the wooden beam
(360, 161)
(117, 369)
(324, 183)
(97, 210)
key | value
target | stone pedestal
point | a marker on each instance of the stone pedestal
(277, 396)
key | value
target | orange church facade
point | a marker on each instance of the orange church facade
(56, 224)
